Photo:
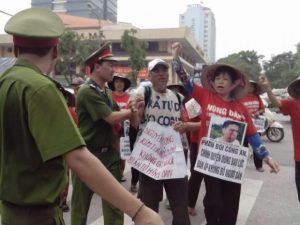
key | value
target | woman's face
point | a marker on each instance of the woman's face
(223, 83)
(119, 85)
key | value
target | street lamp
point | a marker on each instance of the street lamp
(92, 10)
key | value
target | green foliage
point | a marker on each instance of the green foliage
(247, 61)
(72, 52)
(282, 69)
(137, 53)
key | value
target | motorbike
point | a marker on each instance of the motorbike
(267, 126)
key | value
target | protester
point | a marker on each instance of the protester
(256, 107)
(191, 127)
(289, 107)
(223, 85)
(119, 85)
(164, 108)
(38, 136)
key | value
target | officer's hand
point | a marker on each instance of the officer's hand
(272, 164)
(176, 48)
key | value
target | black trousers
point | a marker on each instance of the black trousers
(221, 201)
(134, 176)
(297, 178)
(195, 179)
(151, 193)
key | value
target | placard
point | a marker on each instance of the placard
(158, 153)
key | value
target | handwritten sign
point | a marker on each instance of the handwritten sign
(158, 153)
(259, 123)
(222, 160)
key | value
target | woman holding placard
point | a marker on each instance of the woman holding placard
(223, 86)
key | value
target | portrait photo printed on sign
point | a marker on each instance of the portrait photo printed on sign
(221, 154)
(227, 130)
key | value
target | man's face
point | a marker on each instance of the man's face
(159, 77)
(105, 70)
(230, 132)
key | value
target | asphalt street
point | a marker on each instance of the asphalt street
(267, 199)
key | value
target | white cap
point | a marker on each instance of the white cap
(156, 62)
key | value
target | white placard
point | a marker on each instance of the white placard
(193, 108)
(125, 148)
(259, 123)
(222, 160)
(158, 153)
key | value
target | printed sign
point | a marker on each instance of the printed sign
(158, 153)
(222, 160)
(193, 108)
(259, 123)
(221, 154)
(125, 148)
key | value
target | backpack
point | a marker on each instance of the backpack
(147, 95)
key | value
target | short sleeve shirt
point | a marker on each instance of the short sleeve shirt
(253, 103)
(92, 105)
(36, 130)
(212, 104)
(292, 108)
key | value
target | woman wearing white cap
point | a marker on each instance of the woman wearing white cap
(223, 85)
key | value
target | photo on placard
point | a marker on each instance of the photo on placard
(227, 130)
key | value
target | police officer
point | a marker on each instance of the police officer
(98, 118)
(38, 136)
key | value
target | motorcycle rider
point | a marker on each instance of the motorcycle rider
(289, 107)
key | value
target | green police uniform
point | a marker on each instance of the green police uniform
(92, 104)
(36, 129)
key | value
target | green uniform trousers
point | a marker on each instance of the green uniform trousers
(82, 195)
(32, 215)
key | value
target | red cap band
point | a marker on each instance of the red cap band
(29, 42)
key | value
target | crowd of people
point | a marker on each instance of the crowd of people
(58, 132)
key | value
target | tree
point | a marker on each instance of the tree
(281, 69)
(137, 53)
(247, 61)
(72, 51)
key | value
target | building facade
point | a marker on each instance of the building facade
(159, 43)
(98, 9)
(202, 23)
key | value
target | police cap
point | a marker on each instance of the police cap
(35, 28)
(102, 54)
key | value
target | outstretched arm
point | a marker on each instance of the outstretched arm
(261, 151)
(178, 67)
(92, 172)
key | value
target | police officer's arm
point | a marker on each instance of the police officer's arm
(92, 172)
(118, 116)
(265, 84)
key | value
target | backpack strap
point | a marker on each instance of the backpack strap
(147, 94)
